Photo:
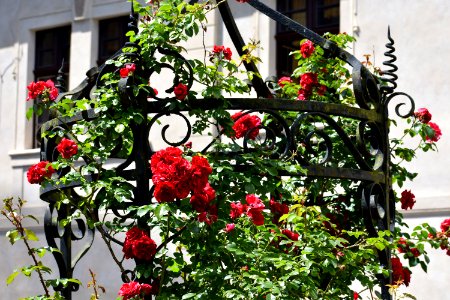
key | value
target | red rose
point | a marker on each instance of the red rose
(209, 216)
(399, 273)
(284, 80)
(303, 94)
(307, 49)
(407, 200)
(200, 172)
(278, 209)
(402, 245)
(180, 91)
(218, 49)
(229, 227)
(321, 90)
(291, 235)
(423, 115)
(165, 191)
(437, 133)
(67, 148)
(227, 53)
(415, 252)
(38, 172)
(237, 209)
(308, 81)
(129, 290)
(165, 156)
(128, 70)
(355, 296)
(45, 90)
(445, 225)
(246, 124)
(144, 248)
(254, 209)
(138, 244)
(133, 289)
(200, 202)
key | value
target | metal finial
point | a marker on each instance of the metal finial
(389, 75)
(60, 82)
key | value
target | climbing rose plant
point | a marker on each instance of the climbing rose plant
(212, 229)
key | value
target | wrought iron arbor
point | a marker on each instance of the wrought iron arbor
(372, 171)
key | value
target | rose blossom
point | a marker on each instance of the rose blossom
(237, 209)
(291, 235)
(307, 49)
(218, 49)
(355, 296)
(38, 172)
(284, 80)
(227, 53)
(423, 115)
(445, 225)
(321, 90)
(278, 209)
(303, 94)
(45, 90)
(67, 148)
(128, 70)
(229, 227)
(399, 273)
(180, 91)
(308, 81)
(407, 199)
(138, 245)
(415, 252)
(245, 123)
(254, 209)
(402, 245)
(437, 133)
(132, 289)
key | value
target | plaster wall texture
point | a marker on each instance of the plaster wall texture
(419, 28)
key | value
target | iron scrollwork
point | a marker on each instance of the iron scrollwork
(367, 146)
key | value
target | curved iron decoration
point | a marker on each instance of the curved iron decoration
(368, 146)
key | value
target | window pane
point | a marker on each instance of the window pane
(112, 36)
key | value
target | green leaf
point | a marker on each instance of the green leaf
(30, 235)
(11, 277)
(13, 236)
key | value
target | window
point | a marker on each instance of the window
(112, 36)
(318, 15)
(52, 48)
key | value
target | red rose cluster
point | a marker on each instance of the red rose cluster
(217, 50)
(424, 116)
(403, 246)
(180, 91)
(290, 234)
(253, 209)
(67, 148)
(128, 70)
(278, 209)
(400, 274)
(138, 245)
(307, 48)
(133, 289)
(174, 177)
(38, 172)
(407, 200)
(45, 90)
(309, 82)
(245, 124)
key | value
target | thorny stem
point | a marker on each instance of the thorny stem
(16, 220)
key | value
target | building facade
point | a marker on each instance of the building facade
(37, 35)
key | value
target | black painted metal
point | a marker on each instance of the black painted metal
(372, 167)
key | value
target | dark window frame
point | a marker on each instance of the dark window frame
(111, 31)
(52, 51)
(286, 38)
